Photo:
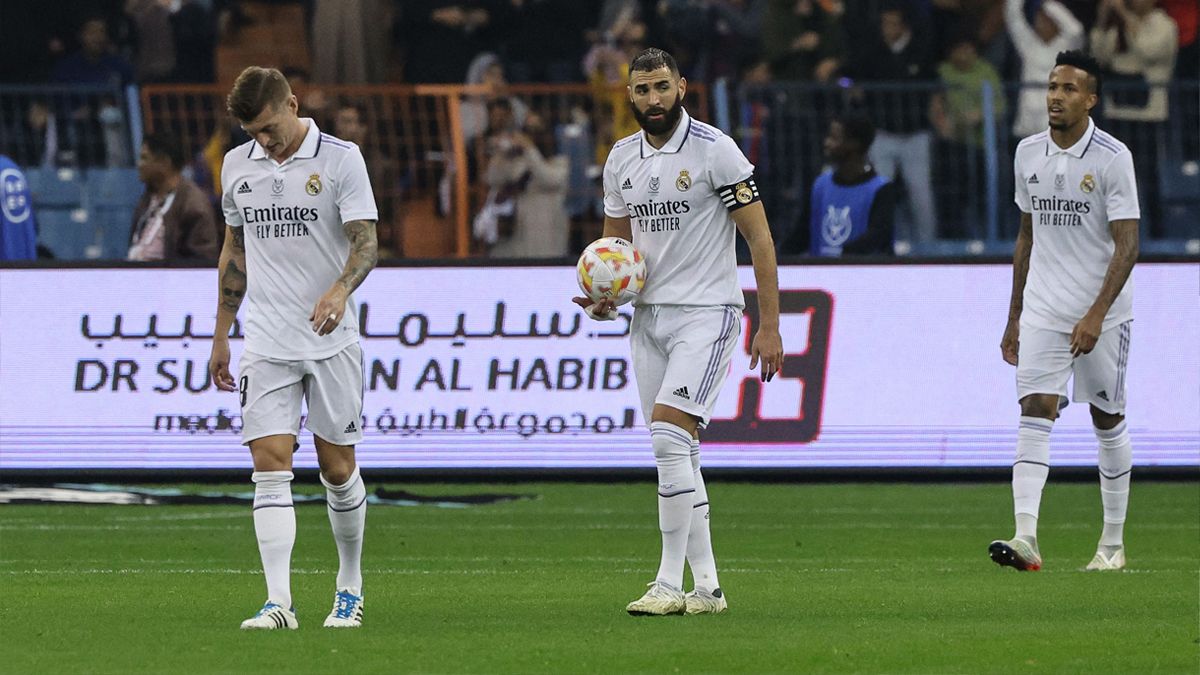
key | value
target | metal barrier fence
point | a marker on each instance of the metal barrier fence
(951, 153)
(424, 146)
(68, 126)
(426, 150)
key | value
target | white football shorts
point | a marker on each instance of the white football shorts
(681, 355)
(272, 390)
(1044, 364)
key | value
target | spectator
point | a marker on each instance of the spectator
(802, 40)
(95, 62)
(94, 126)
(350, 40)
(18, 227)
(526, 166)
(737, 31)
(173, 220)
(1055, 29)
(851, 209)
(350, 124)
(1186, 14)
(900, 54)
(441, 36)
(607, 68)
(154, 59)
(1137, 43)
(959, 120)
(487, 70)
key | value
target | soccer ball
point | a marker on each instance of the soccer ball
(611, 268)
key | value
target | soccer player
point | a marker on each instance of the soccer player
(1072, 303)
(678, 189)
(300, 238)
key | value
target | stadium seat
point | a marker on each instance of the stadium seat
(1179, 191)
(66, 232)
(112, 188)
(55, 188)
(575, 142)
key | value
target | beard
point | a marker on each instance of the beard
(659, 127)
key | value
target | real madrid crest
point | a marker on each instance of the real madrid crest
(684, 182)
(1088, 183)
(743, 193)
(313, 186)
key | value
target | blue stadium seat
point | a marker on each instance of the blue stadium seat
(55, 188)
(1179, 192)
(113, 188)
(66, 232)
(575, 142)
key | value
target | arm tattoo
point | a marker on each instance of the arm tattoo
(1021, 266)
(233, 286)
(239, 238)
(1124, 257)
(364, 253)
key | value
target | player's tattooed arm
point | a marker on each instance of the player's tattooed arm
(1125, 253)
(231, 288)
(364, 253)
(232, 272)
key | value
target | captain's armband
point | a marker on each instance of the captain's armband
(739, 194)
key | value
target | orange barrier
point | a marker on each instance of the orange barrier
(421, 144)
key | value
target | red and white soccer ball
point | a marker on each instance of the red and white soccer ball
(611, 268)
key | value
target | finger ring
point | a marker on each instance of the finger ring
(331, 317)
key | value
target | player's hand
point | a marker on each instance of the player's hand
(1086, 333)
(768, 346)
(1011, 342)
(218, 365)
(605, 310)
(329, 310)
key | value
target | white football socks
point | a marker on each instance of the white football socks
(676, 486)
(347, 506)
(699, 545)
(1116, 461)
(1029, 473)
(275, 526)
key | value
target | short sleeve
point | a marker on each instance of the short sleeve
(1021, 193)
(614, 203)
(1120, 189)
(355, 199)
(233, 217)
(726, 163)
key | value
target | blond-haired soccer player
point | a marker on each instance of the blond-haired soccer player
(680, 189)
(300, 238)
(1072, 303)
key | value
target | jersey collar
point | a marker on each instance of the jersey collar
(1076, 150)
(675, 143)
(309, 147)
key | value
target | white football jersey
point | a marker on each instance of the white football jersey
(678, 199)
(1073, 194)
(292, 215)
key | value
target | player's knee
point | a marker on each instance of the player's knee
(1105, 420)
(1044, 406)
(672, 444)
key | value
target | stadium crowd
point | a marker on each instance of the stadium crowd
(928, 135)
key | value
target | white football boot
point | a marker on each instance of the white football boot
(272, 617)
(701, 601)
(660, 600)
(347, 609)
(1112, 560)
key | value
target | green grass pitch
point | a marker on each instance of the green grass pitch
(866, 578)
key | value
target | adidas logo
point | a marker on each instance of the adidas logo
(244, 189)
(351, 428)
(682, 392)
(627, 185)
(1032, 180)
(1102, 394)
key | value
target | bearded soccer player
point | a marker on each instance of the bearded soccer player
(679, 190)
(1072, 303)
(300, 237)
